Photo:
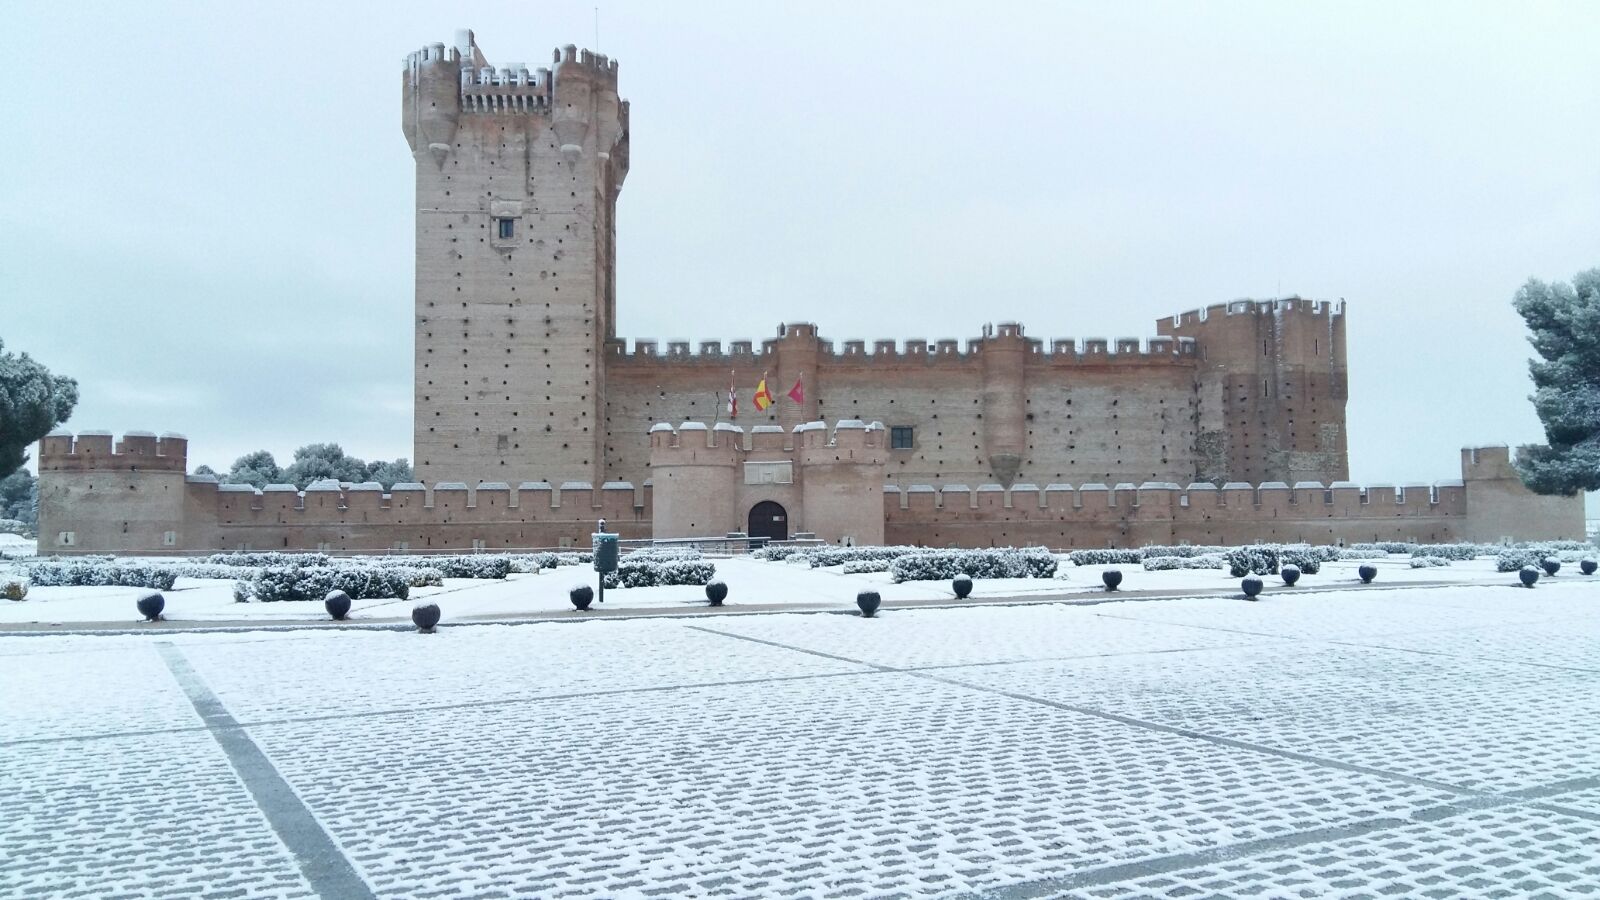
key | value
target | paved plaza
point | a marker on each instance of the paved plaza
(1419, 742)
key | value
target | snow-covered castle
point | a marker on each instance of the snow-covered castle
(533, 417)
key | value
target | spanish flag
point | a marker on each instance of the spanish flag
(763, 396)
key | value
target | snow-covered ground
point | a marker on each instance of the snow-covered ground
(751, 583)
(1428, 742)
(17, 545)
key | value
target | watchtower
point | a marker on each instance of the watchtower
(1273, 384)
(518, 172)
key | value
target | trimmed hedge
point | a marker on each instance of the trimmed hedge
(256, 560)
(823, 557)
(1165, 563)
(1182, 550)
(1514, 560)
(1455, 552)
(273, 584)
(1106, 557)
(635, 571)
(864, 566)
(940, 565)
(84, 573)
(1429, 562)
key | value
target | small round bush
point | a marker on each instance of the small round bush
(150, 604)
(14, 589)
(425, 616)
(1111, 578)
(337, 603)
(1551, 565)
(581, 596)
(868, 601)
(962, 585)
(716, 592)
(1251, 587)
(1529, 575)
(1290, 574)
(1367, 573)
(1587, 566)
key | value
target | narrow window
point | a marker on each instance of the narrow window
(507, 229)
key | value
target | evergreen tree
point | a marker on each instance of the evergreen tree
(19, 499)
(204, 470)
(389, 474)
(315, 462)
(1565, 323)
(32, 402)
(258, 469)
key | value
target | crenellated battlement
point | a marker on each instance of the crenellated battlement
(95, 451)
(1063, 351)
(1300, 306)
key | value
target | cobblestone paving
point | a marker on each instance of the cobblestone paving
(1424, 743)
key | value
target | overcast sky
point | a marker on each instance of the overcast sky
(206, 210)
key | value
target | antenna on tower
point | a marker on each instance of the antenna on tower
(597, 29)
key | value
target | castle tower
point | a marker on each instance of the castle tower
(101, 495)
(1273, 385)
(518, 172)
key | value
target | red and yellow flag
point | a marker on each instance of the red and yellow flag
(763, 396)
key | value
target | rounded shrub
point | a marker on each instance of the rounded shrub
(1529, 575)
(1550, 565)
(716, 592)
(581, 596)
(1111, 578)
(1251, 586)
(14, 589)
(1289, 574)
(962, 585)
(869, 601)
(425, 616)
(150, 604)
(337, 603)
(1587, 566)
(1367, 573)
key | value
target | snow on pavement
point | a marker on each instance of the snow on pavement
(1432, 741)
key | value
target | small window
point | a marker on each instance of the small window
(507, 228)
(900, 437)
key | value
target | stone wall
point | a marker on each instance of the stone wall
(98, 495)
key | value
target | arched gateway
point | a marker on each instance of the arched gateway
(769, 520)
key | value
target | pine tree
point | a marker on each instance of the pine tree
(32, 402)
(1565, 323)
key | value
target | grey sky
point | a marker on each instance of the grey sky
(206, 216)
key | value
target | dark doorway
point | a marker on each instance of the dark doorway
(768, 520)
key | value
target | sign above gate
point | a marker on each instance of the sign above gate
(781, 472)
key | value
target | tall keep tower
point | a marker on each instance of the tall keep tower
(518, 172)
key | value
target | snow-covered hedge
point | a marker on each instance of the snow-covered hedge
(1106, 557)
(1261, 560)
(1362, 551)
(774, 553)
(96, 572)
(473, 565)
(823, 557)
(1182, 550)
(863, 566)
(1454, 552)
(1429, 562)
(256, 560)
(639, 571)
(284, 583)
(1009, 562)
(13, 589)
(1400, 547)
(1514, 560)
(1165, 563)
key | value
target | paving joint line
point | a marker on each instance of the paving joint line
(1472, 798)
(320, 860)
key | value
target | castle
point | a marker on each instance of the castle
(522, 380)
